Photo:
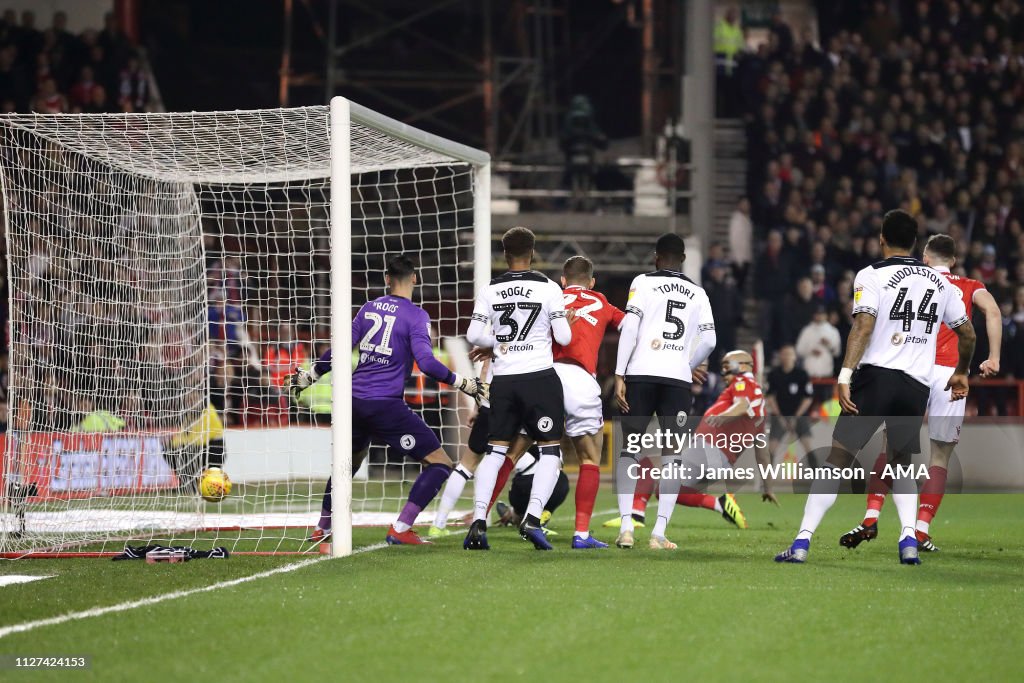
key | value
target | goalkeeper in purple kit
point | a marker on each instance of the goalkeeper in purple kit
(390, 332)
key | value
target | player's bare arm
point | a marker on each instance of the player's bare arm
(763, 456)
(863, 326)
(966, 340)
(739, 408)
(986, 303)
(700, 373)
(479, 354)
(620, 394)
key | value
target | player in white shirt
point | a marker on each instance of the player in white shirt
(898, 305)
(668, 331)
(945, 417)
(525, 310)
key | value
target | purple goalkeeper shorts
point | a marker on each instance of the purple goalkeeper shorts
(390, 420)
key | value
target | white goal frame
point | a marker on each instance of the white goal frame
(343, 114)
(185, 148)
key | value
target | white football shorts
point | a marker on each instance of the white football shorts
(945, 417)
(584, 413)
(702, 460)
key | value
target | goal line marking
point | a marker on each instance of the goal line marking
(14, 579)
(156, 599)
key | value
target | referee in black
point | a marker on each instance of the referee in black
(789, 394)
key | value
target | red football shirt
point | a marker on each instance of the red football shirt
(946, 353)
(593, 315)
(742, 386)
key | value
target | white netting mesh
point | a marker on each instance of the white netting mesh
(218, 147)
(159, 263)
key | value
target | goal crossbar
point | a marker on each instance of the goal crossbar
(213, 136)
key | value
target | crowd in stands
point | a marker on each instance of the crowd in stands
(53, 70)
(900, 104)
(907, 104)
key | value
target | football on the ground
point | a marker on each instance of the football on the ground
(214, 485)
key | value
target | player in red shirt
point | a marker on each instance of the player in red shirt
(576, 365)
(945, 416)
(734, 423)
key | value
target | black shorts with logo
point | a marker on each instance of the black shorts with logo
(670, 401)
(884, 396)
(532, 401)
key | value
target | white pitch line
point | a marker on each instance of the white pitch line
(13, 579)
(145, 602)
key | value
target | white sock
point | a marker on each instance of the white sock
(668, 491)
(718, 506)
(583, 534)
(485, 480)
(906, 507)
(923, 526)
(904, 497)
(545, 476)
(872, 513)
(399, 526)
(626, 487)
(453, 489)
(814, 510)
(660, 525)
(627, 524)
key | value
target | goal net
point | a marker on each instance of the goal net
(165, 275)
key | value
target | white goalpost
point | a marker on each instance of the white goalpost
(166, 272)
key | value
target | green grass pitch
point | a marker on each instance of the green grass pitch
(716, 609)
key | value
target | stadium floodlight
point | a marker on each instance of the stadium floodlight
(154, 263)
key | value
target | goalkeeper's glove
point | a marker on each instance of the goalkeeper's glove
(300, 379)
(471, 386)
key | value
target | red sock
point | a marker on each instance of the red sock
(931, 494)
(697, 500)
(586, 493)
(878, 487)
(644, 487)
(499, 484)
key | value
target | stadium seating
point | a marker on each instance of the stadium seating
(915, 111)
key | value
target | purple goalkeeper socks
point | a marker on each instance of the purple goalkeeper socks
(426, 486)
(325, 509)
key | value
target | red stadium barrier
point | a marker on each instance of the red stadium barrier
(67, 465)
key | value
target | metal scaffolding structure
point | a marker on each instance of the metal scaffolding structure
(505, 64)
(510, 62)
(498, 74)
